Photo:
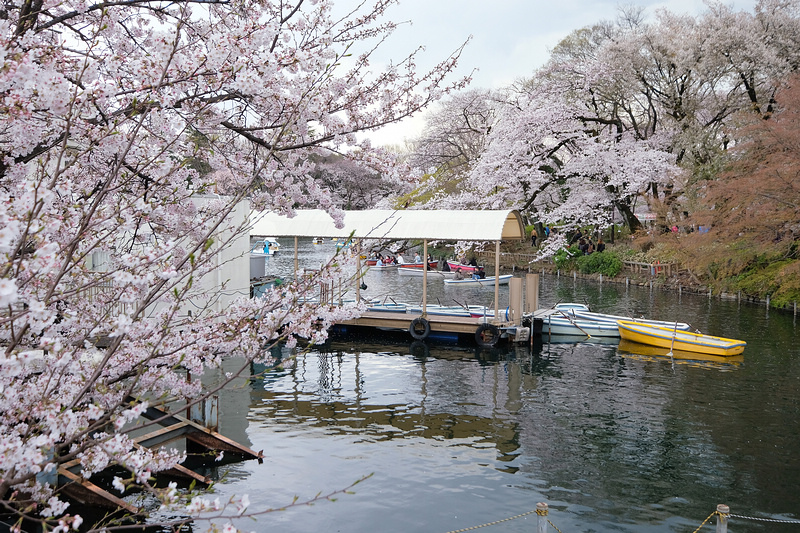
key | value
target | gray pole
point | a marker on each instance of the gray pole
(722, 518)
(541, 512)
(497, 281)
(425, 278)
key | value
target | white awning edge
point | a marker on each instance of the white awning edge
(446, 225)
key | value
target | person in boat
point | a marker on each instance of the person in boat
(459, 274)
(380, 261)
(399, 259)
(445, 266)
(473, 262)
(481, 273)
(417, 258)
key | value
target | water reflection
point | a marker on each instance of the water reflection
(642, 352)
(383, 396)
(613, 438)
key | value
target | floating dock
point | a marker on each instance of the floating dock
(482, 330)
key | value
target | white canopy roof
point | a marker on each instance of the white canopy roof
(447, 225)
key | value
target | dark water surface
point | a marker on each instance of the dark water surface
(458, 437)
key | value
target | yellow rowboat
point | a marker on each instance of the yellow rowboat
(673, 339)
(647, 352)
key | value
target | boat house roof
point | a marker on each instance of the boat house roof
(446, 225)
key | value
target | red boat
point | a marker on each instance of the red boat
(431, 264)
(464, 268)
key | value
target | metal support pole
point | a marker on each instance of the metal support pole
(497, 281)
(425, 277)
(722, 518)
(541, 513)
(358, 272)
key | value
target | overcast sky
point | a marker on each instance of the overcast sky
(510, 38)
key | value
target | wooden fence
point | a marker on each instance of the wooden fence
(523, 261)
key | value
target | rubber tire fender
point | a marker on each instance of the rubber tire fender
(487, 335)
(415, 333)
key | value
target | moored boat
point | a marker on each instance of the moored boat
(442, 310)
(470, 282)
(603, 317)
(385, 307)
(560, 323)
(649, 352)
(674, 339)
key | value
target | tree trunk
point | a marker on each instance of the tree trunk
(630, 219)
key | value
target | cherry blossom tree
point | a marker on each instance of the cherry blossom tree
(679, 77)
(455, 133)
(543, 158)
(135, 136)
(354, 186)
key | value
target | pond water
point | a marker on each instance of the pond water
(454, 438)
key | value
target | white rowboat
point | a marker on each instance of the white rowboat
(488, 281)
